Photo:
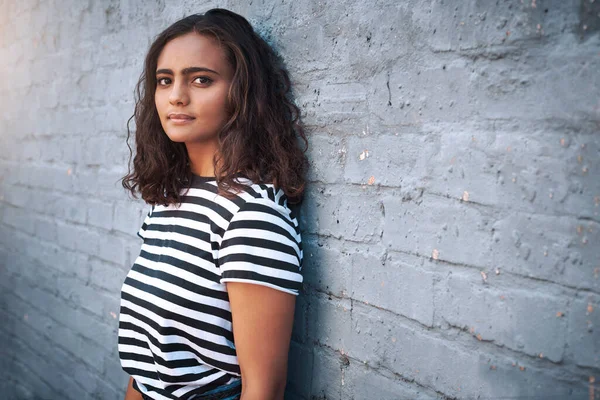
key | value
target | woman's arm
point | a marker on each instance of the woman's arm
(262, 327)
(131, 393)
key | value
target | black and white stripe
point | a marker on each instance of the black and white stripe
(175, 326)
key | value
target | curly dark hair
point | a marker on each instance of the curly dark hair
(260, 137)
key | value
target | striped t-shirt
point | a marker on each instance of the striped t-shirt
(175, 326)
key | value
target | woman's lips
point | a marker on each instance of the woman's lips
(181, 120)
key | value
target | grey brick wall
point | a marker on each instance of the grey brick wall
(451, 225)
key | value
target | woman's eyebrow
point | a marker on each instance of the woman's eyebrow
(186, 71)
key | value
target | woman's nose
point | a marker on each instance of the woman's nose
(178, 94)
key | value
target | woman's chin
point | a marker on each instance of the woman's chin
(179, 137)
(189, 137)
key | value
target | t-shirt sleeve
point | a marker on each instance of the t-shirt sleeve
(142, 231)
(262, 245)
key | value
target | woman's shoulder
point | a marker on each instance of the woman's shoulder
(261, 197)
(265, 196)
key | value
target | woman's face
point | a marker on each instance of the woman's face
(193, 79)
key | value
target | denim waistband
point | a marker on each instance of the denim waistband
(233, 391)
(227, 392)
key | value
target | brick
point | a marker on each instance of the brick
(316, 54)
(380, 340)
(357, 210)
(16, 386)
(90, 82)
(16, 196)
(106, 275)
(343, 100)
(106, 184)
(99, 214)
(337, 376)
(139, 33)
(435, 225)
(11, 244)
(110, 310)
(112, 248)
(74, 237)
(326, 267)
(326, 374)
(71, 210)
(52, 178)
(19, 219)
(67, 262)
(583, 338)
(45, 229)
(106, 151)
(501, 91)
(132, 251)
(31, 151)
(112, 371)
(434, 90)
(504, 170)
(475, 25)
(70, 148)
(38, 275)
(399, 285)
(362, 382)
(78, 294)
(43, 202)
(62, 312)
(560, 249)
(330, 322)
(114, 374)
(56, 334)
(128, 216)
(30, 317)
(38, 364)
(523, 320)
(103, 391)
(328, 156)
(8, 253)
(392, 160)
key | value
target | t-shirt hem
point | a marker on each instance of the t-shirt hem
(290, 291)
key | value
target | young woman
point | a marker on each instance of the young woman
(207, 308)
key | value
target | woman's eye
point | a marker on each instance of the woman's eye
(202, 79)
(159, 81)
